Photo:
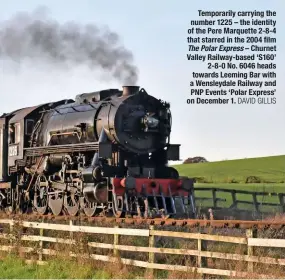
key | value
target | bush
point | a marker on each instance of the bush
(252, 180)
(195, 160)
(201, 180)
(233, 181)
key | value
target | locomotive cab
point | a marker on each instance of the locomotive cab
(20, 127)
(3, 147)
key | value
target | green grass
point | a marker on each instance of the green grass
(269, 188)
(12, 267)
(265, 169)
(268, 173)
(257, 187)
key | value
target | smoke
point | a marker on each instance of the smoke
(42, 40)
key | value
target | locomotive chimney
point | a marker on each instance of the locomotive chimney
(130, 90)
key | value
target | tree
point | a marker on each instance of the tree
(195, 160)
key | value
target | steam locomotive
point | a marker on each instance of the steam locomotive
(105, 153)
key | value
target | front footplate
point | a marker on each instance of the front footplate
(150, 198)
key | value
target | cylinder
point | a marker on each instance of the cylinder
(97, 193)
(130, 90)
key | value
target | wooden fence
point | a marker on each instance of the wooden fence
(230, 199)
(202, 254)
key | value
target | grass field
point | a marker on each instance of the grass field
(12, 267)
(253, 170)
(255, 187)
(268, 188)
(266, 174)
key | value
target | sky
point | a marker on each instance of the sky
(155, 32)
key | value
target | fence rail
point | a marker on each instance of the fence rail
(202, 253)
(233, 202)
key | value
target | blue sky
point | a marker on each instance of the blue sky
(156, 31)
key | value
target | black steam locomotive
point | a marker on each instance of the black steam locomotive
(105, 153)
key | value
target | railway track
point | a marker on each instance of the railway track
(242, 224)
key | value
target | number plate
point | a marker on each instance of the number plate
(13, 151)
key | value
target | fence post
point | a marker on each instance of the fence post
(12, 236)
(41, 245)
(250, 233)
(255, 202)
(71, 232)
(116, 242)
(71, 237)
(214, 193)
(234, 198)
(151, 244)
(281, 200)
(202, 246)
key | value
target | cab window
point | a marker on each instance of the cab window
(15, 133)
(11, 134)
(29, 127)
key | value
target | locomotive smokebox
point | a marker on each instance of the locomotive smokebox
(130, 90)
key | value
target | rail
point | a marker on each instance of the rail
(196, 249)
